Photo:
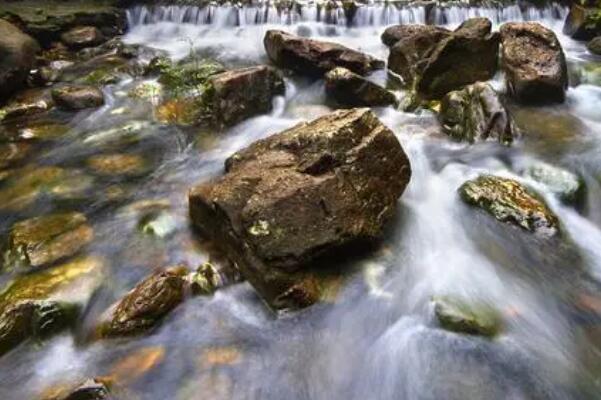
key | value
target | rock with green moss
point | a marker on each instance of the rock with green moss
(34, 319)
(511, 202)
(462, 317)
(594, 46)
(41, 241)
(160, 224)
(567, 186)
(146, 305)
(350, 89)
(184, 77)
(583, 22)
(476, 113)
(205, 280)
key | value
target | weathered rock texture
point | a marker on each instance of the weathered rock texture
(300, 194)
(315, 58)
(350, 89)
(509, 201)
(534, 63)
(17, 58)
(82, 36)
(476, 113)
(77, 97)
(437, 61)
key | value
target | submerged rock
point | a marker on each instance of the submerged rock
(34, 319)
(471, 319)
(567, 186)
(594, 46)
(78, 97)
(534, 63)
(40, 241)
(476, 113)
(117, 164)
(91, 389)
(314, 58)
(82, 36)
(350, 89)
(18, 52)
(145, 305)
(509, 201)
(300, 194)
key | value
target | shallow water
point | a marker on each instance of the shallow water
(378, 339)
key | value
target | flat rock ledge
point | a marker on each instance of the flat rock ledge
(300, 195)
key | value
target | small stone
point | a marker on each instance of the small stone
(205, 280)
(350, 89)
(82, 36)
(40, 241)
(159, 224)
(77, 97)
(472, 319)
(509, 201)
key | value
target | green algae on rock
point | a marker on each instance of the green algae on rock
(145, 305)
(205, 280)
(509, 201)
(462, 317)
(41, 241)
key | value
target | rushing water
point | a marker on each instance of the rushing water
(377, 340)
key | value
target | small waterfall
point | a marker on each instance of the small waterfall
(375, 14)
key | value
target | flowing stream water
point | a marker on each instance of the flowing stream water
(377, 339)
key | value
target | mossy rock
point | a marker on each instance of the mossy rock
(462, 317)
(511, 202)
(206, 280)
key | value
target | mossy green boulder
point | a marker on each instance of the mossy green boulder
(462, 317)
(511, 202)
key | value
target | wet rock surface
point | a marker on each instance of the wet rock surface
(594, 46)
(18, 52)
(461, 317)
(476, 113)
(509, 201)
(567, 186)
(145, 305)
(300, 194)
(78, 97)
(91, 389)
(40, 241)
(583, 22)
(315, 58)
(534, 63)
(347, 88)
(82, 36)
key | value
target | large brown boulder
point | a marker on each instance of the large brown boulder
(17, 58)
(315, 58)
(534, 63)
(437, 61)
(349, 89)
(300, 194)
(476, 113)
(469, 55)
(412, 46)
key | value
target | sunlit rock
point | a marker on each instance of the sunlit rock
(567, 186)
(301, 194)
(117, 164)
(534, 63)
(82, 36)
(18, 52)
(350, 89)
(462, 317)
(313, 57)
(27, 103)
(476, 113)
(77, 97)
(160, 224)
(206, 280)
(509, 201)
(146, 305)
(41, 241)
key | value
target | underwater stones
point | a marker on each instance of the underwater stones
(594, 46)
(40, 241)
(509, 201)
(11, 153)
(82, 36)
(350, 89)
(468, 55)
(117, 164)
(314, 58)
(567, 186)
(476, 113)
(534, 63)
(18, 52)
(78, 97)
(462, 317)
(301, 194)
(242, 93)
(34, 319)
(146, 304)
